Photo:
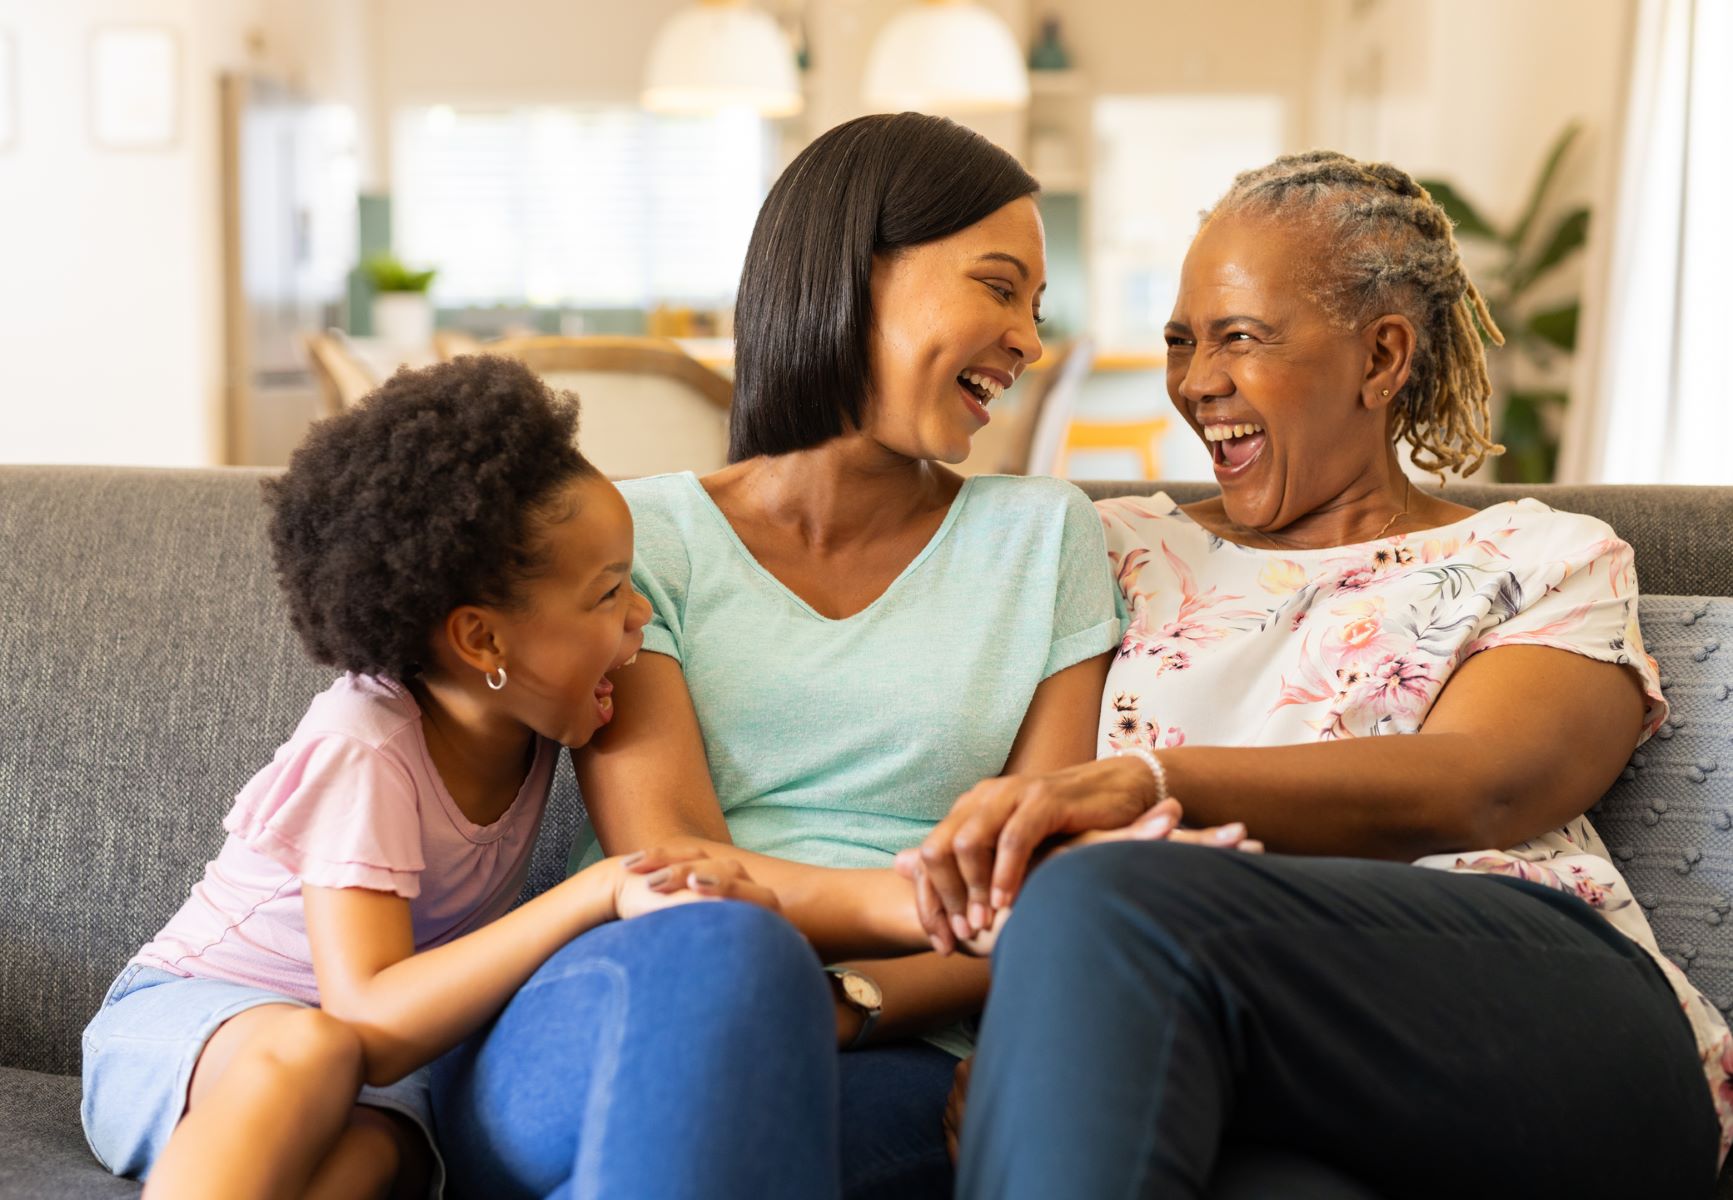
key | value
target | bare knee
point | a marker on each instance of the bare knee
(309, 1048)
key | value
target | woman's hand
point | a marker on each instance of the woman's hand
(979, 854)
(679, 873)
(949, 930)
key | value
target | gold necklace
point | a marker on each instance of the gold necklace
(1407, 495)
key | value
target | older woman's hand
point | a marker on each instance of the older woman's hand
(977, 856)
(970, 868)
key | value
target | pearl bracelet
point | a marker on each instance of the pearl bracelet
(1155, 769)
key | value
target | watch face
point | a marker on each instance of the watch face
(861, 990)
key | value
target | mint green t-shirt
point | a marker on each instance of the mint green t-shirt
(840, 742)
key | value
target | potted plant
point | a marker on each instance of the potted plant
(402, 312)
(1525, 253)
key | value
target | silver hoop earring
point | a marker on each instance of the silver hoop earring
(490, 683)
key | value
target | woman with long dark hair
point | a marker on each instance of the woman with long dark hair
(846, 633)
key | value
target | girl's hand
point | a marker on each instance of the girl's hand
(1156, 824)
(667, 876)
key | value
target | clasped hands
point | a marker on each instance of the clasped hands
(968, 872)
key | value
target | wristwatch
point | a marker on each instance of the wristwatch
(862, 994)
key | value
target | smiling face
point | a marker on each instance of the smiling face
(576, 621)
(1289, 402)
(953, 326)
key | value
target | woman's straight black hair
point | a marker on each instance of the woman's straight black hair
(874, 185)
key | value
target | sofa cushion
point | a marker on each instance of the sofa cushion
(42, 1148)
(1669, 820)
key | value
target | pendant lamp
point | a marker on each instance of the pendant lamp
(946, 56)
(719, 54)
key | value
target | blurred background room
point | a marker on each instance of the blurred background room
(222, 218)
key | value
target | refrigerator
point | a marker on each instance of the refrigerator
(290, 177)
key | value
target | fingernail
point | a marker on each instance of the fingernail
(697, 880)
(1231, 833)
(961, 928)
(660, 877)
(978, 917)
(938, 946)
(1159, 825)
(632, 860)
(999, 898)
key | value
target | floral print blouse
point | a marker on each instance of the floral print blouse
(1234, 646)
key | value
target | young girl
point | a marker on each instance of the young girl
(447, 546)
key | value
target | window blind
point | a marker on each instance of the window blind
(592, 207)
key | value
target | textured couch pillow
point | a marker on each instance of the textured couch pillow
(1669, 819)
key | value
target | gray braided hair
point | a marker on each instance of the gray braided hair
(1387, 247)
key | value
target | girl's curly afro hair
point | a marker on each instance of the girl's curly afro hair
(429, 494)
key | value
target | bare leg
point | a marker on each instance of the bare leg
(376, 1150)
(272, 1092)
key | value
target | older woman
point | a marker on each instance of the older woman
(1326, 1019)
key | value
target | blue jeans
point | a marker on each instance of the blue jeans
(690, 1052)
(893, 1122)
(1179, 1021)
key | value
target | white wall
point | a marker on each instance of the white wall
(1473, 90)
(456, 52)
(110, 283)
(1264, 47)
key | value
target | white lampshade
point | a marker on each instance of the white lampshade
(721, 54)
(946, 56)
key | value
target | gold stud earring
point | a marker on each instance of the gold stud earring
(1386, 391)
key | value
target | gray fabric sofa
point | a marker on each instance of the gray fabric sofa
(147, 669)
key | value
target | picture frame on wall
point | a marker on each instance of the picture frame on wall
(8, 90)
(134, 87)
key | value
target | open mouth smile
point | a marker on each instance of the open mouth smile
(1234, 446)
(979, 390)
(604, 694)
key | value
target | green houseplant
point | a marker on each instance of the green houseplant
(1525, 253)
(402, 311)
(387, 273)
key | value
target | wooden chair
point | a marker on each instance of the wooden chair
(342, 377)
(450, 343)
(1029, 436)
(1142, 438)
(648, 406)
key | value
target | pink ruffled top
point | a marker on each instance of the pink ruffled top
(351, 800)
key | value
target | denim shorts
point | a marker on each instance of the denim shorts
(139, 1054)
